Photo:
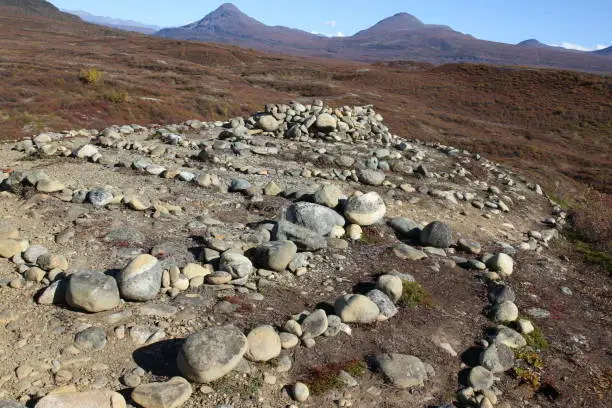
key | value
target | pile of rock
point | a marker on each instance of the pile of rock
(304, 122)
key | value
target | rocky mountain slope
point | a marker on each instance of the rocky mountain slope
(399, 37)
(304, 255)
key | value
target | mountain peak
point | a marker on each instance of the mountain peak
(396, 23)
(228, 7)
(532, 42)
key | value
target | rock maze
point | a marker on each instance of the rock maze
(184, 223)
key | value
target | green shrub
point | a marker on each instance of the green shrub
(116, 96)
(91, 76)
(414, 294)
(536, 339)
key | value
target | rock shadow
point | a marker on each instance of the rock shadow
(159, 358)
(471, 356)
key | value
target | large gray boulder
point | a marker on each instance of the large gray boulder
(437, 234)
(211, 353)
(92, 291)
(305, 238)
(316, 217)
(141, 278)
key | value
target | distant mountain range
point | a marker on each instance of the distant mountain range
(399, 37)
(128, 25)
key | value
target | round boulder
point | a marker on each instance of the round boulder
(391, 285)
(92, 291)
(315, 324)
(502, 263)
(356, 309)
(141, 278)
(366, 209)
(264, 344)
(276, 255)
(99, 197)
(268, 123)
(437, 234)
(211, 353)
(505, 311)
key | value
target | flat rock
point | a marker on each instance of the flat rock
(90, 339)
(125, 235)
(404, 251)
(401, 370)
(405, 227)
(508, 337)
(316, 217)
(88, 399)
(170, 394)
(305, 238)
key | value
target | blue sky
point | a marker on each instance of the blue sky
(575, 24)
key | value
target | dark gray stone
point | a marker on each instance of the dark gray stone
(437, 234)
